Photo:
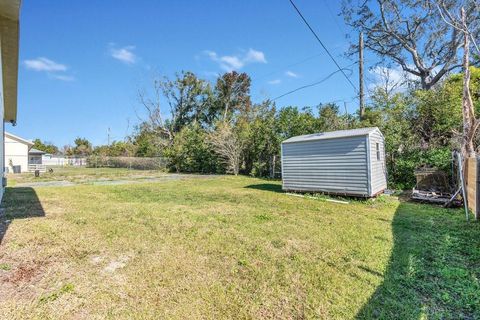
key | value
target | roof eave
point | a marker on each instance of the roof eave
(19, 139)
(9, 33)
(328, 138)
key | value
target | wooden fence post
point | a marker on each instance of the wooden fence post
(471, 182)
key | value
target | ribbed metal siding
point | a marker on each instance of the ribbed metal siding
(330, 165)
(378, 167)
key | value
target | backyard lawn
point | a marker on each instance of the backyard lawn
(84, 175)
(224, 247)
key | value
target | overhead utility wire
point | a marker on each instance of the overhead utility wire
(315, 83)
(288, 66)
(323, 46)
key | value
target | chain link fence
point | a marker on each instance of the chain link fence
(138, 163)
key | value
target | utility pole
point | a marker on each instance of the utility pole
(360, 75)
(108, 136)
(346, 114)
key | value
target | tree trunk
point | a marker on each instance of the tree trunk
(470, 124)
(360, 75)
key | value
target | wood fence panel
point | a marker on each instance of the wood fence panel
(471, 184)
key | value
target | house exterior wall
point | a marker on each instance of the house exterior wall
(9, 35)
(378, 169)
(337, 166)
(2, 138)
(16, 154)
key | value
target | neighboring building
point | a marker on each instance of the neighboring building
(9, 14)
(345, 162)
(35, 156)
(16, 153)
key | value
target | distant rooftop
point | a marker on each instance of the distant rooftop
(332, 135)
(35, 151)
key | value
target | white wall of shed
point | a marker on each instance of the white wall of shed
(378, 168)
(332, 165)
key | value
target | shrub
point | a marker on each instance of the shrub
(126, 162)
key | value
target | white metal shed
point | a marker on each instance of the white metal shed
(344, 162)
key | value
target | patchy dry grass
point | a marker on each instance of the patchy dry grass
(83, 175)
(231, 247)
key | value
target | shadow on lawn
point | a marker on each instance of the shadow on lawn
(434, 268)
(19, 203)
(266, 187)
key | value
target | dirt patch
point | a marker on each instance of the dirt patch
(24, 273)
(109, 181)
(96, 260)
(61, 183)
(116, 264)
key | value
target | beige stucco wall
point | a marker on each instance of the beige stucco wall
(16, 153)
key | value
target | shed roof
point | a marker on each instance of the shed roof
(332, 135)
(35, 151)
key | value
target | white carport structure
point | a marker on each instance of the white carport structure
(9, 33)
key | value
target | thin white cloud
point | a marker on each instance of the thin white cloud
(254, 56)
(44, 64)
(63, 77)
(291, 74)
(53, 69)
(211, 74)
(236, 62)
(124, 54)
(232, 62)
(275, 81)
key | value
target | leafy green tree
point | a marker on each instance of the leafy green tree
(116, 149)
(45, 146)
(232, 95)
(189, 99)
(148, 142)
(82, 147)
(190, 152)
(329, 118)
(290, 121)
(261, 144)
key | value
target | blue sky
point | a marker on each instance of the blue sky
(82, 62)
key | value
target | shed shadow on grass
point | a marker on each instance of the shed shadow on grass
(434, 268)
(19, 203)
(272, 187)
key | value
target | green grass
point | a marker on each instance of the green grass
(232, 247)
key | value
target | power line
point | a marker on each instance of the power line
(340, 28)
(287, 66)
(315, 83)
(323, 46)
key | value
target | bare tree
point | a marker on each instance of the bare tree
(466, 29)
(151, 104)
(188, 100)
(412, 34)
(227, 146)
(470, 123)
(389, 80)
